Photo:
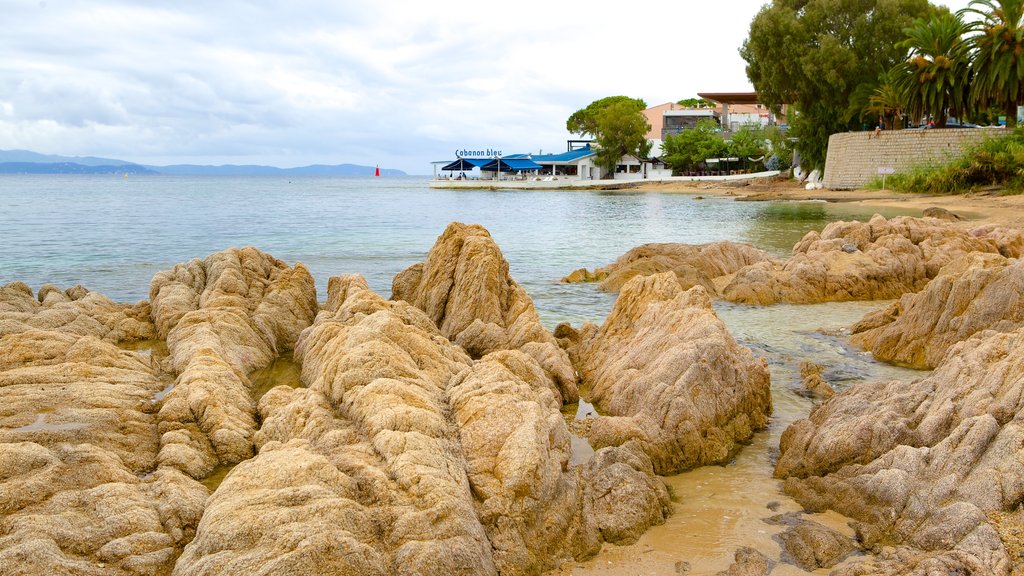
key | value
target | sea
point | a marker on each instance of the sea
(113, 233)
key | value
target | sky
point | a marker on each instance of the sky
(376, 82)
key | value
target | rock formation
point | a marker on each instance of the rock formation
(974, 293)
(880, 259)
(465, 288)
(925, 465)
(748, 562)
(810, 545)
(814, 384)
(693, 264)
(223, 317)
(404, 455)
(78, 442)
(666, 373)
(73, 311)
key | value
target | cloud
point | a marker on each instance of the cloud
(386, 82)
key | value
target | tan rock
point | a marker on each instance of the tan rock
(922, 464)
(810, 545)
(223, 317)
(693, 264)
(403, 455)
(880, 259)
(974, 293)
(465, 288)
(814, 383)
(73, 311)
(78, 445)
(666, 373)
(748, 562)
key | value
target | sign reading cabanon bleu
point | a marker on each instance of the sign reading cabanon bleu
(477, 153)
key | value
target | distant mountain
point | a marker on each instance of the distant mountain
(69, 168)
(27, 162)
(7, 156)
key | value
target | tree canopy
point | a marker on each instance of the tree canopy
(617, 126)
(696, 103)
(998, 63)
(814, 55)
(585, 120)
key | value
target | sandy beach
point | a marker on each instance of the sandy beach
(988, 206)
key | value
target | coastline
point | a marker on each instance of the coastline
(974, 208)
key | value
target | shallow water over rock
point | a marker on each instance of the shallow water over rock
(283, 371)
(718, 509)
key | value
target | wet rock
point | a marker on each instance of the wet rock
(810, 545)
(223, 317)
(404, 455)
(465, 288)
(892, 257)
(667, 374)
(78, 467)
(73, 311)
(693, 264)
(940, 214)
(974, 293)
(923, 464)
(748, 562)
(814, 384)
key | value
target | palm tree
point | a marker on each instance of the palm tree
(998, 45)
(935, 77)
(886, 102)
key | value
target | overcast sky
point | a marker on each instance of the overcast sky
(394, 83)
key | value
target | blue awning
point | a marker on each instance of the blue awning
(511, 165)
(565, 157)
(464, 164)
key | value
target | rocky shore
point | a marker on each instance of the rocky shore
(428, 436)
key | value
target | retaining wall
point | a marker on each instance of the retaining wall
(854, 157)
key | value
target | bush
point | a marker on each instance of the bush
(997, 161)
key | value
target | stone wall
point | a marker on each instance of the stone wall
(854, 157)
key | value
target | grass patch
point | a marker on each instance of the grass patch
(995, 161)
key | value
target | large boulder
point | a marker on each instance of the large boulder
(223, 317)
(403, 455)
(82, 493)
(926, 465)
(880, 259)
(665, 372)
(465, 288)
(693, 264)
(974, 293)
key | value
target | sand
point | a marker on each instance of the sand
(978, 207)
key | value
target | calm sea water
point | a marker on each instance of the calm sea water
(112, 234)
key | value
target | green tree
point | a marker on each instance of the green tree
(620, 130)
(934, 78)
(998, 65)
(748, 142)
(684, 151)
(696, 103)
(813, 55)
(886, 102)
(585, 120)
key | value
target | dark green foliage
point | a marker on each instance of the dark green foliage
(696, 103)
(934, 80)
(584, 121)
(998, 64)
(685, 151)
(814, 55)
(997, 161)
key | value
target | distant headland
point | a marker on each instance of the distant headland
(27, 162)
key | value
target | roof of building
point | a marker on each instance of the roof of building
(511, 164)
(564, 157)
(730, 97)
(465, 163)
